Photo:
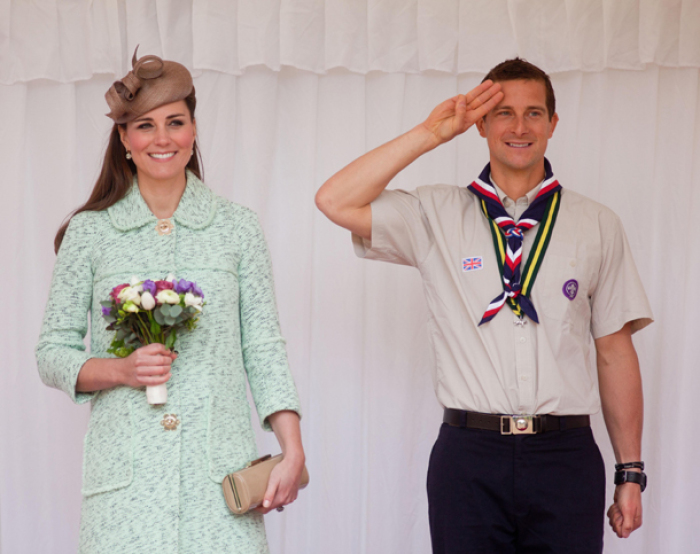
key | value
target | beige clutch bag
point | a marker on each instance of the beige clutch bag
(245, 489)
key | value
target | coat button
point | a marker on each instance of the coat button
(170, 422)
(164, 227)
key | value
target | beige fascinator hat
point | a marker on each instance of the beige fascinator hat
(151, 83)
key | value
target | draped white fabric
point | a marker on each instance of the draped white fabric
(629, 137)
(71, 40)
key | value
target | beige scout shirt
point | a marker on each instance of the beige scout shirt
(502, 367)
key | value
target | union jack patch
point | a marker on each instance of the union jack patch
(472, 264)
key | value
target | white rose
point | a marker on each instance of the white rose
(136, 284)
(147, 301)
(130, 294)
(170, 278)
(168, 297)
(194, 301)
(131, 307)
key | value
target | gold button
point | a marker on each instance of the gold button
(170, 422)
(164, 227)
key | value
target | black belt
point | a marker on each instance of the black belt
(514, 424)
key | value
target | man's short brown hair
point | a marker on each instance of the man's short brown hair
(517, 68)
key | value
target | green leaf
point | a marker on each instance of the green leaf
(124, 352)
(175, 310)
(106, 304)
(169, 321)
(155, 328)
(165, 309)
(160, 318)
(170, 341)
(110, 319)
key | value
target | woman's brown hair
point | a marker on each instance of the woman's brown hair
(117, 175)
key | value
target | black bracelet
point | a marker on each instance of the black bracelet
(622, 477)
(629, 465)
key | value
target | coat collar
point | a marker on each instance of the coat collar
(196, 208)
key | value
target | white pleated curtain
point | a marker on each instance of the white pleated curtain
(288, 93)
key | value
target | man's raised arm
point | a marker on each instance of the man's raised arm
(345, 198)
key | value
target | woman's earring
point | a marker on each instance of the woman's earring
(128, 155)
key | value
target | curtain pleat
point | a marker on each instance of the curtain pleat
(71, 40)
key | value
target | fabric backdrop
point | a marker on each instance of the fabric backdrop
(289, 92)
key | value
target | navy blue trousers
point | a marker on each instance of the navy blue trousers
(523, 494)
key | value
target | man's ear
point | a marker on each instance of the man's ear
(480, 126)
(553, 123)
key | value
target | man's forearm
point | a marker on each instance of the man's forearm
(621, 395)
(355, 186)
(345, 198)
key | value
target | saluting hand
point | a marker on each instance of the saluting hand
(456, 115)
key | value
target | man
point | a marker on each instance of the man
(515, 467)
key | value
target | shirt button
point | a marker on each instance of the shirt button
(522, 339)
(572, 263)
(524, 378)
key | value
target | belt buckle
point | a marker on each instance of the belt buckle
(517, 425)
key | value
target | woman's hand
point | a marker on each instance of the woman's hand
(283, 487)
(284, 481)
(147, 366)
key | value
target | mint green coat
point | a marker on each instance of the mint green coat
(148, 489)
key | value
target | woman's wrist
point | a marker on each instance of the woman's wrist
(295, 455)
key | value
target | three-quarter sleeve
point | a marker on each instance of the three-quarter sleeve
(264, 353)
(61, 353)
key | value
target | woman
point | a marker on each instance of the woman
(152, 474)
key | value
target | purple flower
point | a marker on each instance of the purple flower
(196, 290)
(106, 311)
(149, 286)
(183, 286)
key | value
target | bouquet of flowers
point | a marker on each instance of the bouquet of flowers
(149, 312)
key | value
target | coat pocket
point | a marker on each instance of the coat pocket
(230, 438)
(108, 456)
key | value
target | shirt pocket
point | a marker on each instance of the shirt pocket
(108, 456)
(561, 289)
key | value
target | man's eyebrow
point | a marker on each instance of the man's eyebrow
(527, 108)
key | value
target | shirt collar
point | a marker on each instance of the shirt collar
(196, 208)
(529, 197)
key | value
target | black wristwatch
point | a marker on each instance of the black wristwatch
(622, 476)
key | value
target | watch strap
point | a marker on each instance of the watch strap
(640, 478)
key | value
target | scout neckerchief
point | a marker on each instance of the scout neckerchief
(508, 240)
